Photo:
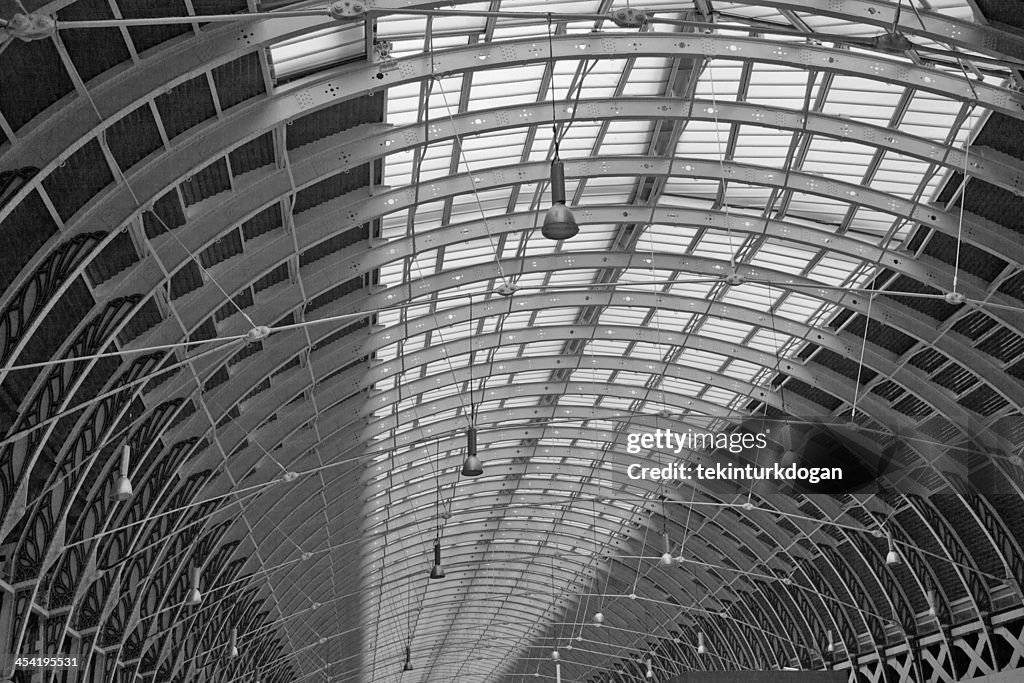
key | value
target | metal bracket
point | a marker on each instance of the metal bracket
(627, 17)
(344, 10)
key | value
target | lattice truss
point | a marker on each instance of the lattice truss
(272, 259)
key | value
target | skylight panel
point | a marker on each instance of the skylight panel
(720, 80)
(768, 340)
(899, 175)
(637, 277)
(586, 373)
(725, 330)
(312, 52)
(577, 142)
(556, 8)
(751, 12)
(873, 222)
(556, 316)
(575, 276)
(763, 146)
(673, 239)
(779, 86)
(605, 347)
(520, 401)
(541, 349)
(838, 159)
(424, 265)
(703, 140)
(576, 400)
(722, 397)
(455, 258)
(625, 138)
(719, 245)
(616, 403)
(798, 307)
(932, 116)
(757, 296)
(834, 269)
(591, 238)
(670, 320)
(392, 272)
(436, 162)
(698, 188)
(458, 22)
(620, 315)
(750, 195)
(649, 77)
(784, 256)
(863, 99)
(818, 208)
(702, 360)
(636, 379)
(742, 370)
(650, 351)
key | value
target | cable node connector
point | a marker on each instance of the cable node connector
(628, 17)
(28, 27)
(347, 9)
(257, 333)
(954, 298)
(507, 289)
(734, 279)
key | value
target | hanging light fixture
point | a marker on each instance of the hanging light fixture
(930, 596)
(892, 557)
(233, 643)
(650, 668)
(831, 647)
(701, 647)
(666, 557)
(123, 486)
(471, 466)
(437, 571)
(598, 618)
(559, 223)
(408, 659)
(194, 597)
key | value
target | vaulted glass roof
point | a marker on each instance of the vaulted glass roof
(269, 267)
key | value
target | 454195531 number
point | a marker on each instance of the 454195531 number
(17, 662)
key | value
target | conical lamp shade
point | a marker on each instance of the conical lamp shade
(472, 467)
(559, 223)
(408, 659)
(123, 486)
(123, 491)
(194, 597)
(892, 558)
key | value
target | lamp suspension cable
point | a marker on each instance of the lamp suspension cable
(559, 222)
(471, 466)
